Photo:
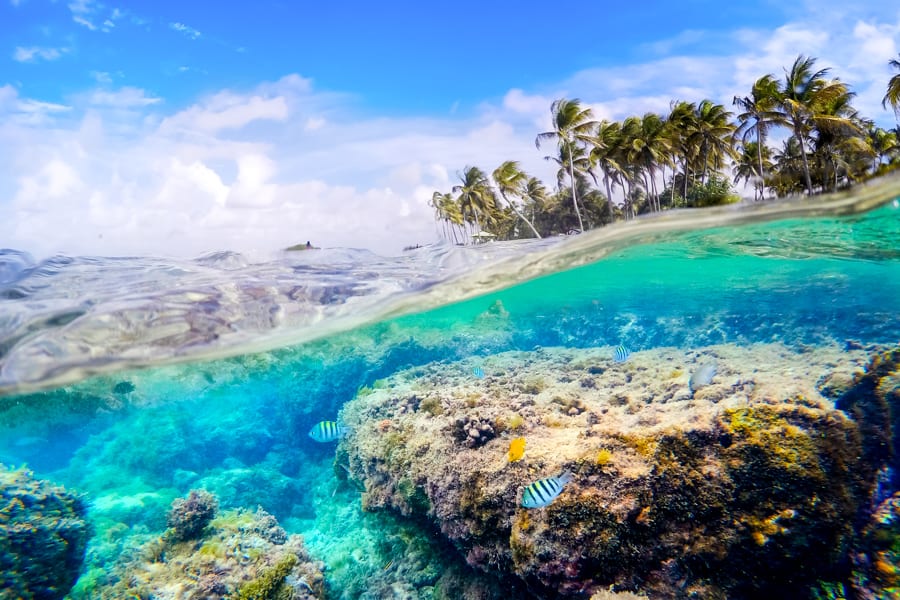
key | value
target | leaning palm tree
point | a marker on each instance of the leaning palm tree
(475, 197)
(573, 125)
(510, 180)
(892, 96)
(534, 193)
(758, 116)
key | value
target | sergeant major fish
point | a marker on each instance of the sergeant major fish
(543, 492)
(327, 431)
(621, 354)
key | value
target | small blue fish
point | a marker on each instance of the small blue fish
(621, 354)
(478, 372)
(327, 431)
(544, 491)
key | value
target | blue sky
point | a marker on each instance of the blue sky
(175, 128)
(402, 56)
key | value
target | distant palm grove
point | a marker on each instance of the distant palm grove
(611, 170)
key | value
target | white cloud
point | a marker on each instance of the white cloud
(283, 162)
(126, 97)
(88, 13)
(314, 123)
(35, 53)
(185, 30)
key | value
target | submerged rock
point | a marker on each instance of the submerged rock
(43, 537)
(241, 555)
(750, 486)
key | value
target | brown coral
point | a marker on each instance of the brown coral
(738, 492)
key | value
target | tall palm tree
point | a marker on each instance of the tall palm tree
(475, 197)
(510, 180)
(681, 122)
(648, 151)
(758, 115)
(885, 145)
(892, 96)
(605, 151)
(840, 139)
(804, 99)
(749, 167)
(534, 193)
(572, 126)
(447, 211)
(712, 136)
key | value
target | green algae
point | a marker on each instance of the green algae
(269, 584)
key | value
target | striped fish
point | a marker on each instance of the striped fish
(478, 372)
(327, 431)
(621, 354)
(544, 491)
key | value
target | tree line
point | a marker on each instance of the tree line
(657, 162)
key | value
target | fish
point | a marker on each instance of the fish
(702, 376)
(516, 449)
(327, 431)
(621, 354)
(478, 372)
(544, 491)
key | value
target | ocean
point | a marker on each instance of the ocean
(709, 395)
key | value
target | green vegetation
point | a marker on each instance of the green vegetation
(617, 170)
(268, 584)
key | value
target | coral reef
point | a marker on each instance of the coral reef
(43, 537)
(189, 516)
(747, 486)
(241, 555)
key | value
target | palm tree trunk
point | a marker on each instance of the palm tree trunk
(574, 197)
(608, 188)
(520, 215)
(805, 162)
(759, 142)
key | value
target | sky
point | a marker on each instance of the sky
(174, 129)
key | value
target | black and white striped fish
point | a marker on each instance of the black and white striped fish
(544, 491)
(621, 354)
(327, 431)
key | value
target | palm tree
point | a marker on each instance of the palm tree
(892, 96)
(476, 198)
(534, 193)
(758, 115)
(447, 211)
(805, 97)
(712, 136)
(604, 153)
(511, 180)
(572, 126)
(885, 145)
(681, 122)
(840, 139)
(649, 151)
(751, 164)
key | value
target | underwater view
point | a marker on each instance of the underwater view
(701, 404)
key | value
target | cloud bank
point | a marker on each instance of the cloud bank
(118, 171)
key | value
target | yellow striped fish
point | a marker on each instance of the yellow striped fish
(327, 431)
(544, 491)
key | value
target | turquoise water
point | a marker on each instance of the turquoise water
(134, 429)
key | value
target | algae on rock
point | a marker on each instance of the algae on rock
(748, 487)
